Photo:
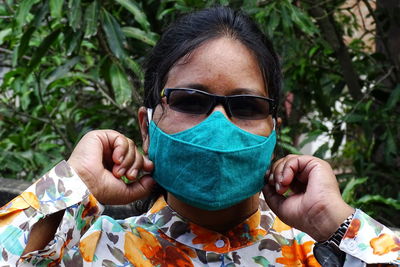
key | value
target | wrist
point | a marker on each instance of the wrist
(330, 221)
(328, 253)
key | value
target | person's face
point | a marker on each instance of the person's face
(224, 67)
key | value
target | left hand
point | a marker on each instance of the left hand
(314, 205)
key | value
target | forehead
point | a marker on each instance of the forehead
(221, 65)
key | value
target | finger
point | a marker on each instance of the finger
(148, 165)
(294, 168)
(273, 199)
(120, 149)
(131, 159)
(297, 186)
(136, 167)
(141, 188)
(278, 176)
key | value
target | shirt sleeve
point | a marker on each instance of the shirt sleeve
(370, 241)
(59, 189)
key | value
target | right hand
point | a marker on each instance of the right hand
(102, 157)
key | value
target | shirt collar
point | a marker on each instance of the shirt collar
(176, 228)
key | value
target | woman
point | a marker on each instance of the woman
(208, 128)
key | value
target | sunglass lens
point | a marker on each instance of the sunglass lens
(189, 101)
(249, 108)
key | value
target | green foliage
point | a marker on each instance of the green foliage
(72, 66)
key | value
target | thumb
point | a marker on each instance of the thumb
(141, 188)
(273, 199)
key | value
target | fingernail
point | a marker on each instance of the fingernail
(277, 187)
(121, 159)
(280, 178)
(121, 171)
(133, 172)
(271, 179)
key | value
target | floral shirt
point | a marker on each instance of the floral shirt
(163, 238)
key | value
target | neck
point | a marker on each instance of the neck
(219, 220)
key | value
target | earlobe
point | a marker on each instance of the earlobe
(278, 122)
(144, 128)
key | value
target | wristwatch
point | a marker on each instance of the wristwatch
(328, 253)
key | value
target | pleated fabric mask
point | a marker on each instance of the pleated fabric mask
(213, 165)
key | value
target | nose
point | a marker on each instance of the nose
(219, 107)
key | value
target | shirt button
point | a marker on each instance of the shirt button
(220, 243)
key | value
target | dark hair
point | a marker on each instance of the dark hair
(190, 31)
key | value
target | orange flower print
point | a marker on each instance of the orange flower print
(353, 229)
(246, 232)
(11, 210)
(133, 252)
(159, 205)
(208, 239)
(145, 250)
(280, 226)
(384, 244)
(181, 246)
(88, 245)
(91, 207)
(32, 199)
(297, 255)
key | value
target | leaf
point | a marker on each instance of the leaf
(117, 253)
(273, 22)
(42, 50)
(135, 67)
(115, 38)
(25, 99)
(139, 15)
(261, 260)
(3, 34)
(62, 70)
(40, 15)
(321, 151)
(108, 263)
(121, 85)
(393, 98)
(22, 12)
(60, 186)
(72, 41)
(140, 35)
(164, 12)
(350, 188)
(24, 43)
(312, 136)
(290, 148)
(313, 50)
(91, 18)
(353, 118)
(378, 198)
(56, 8)
(75, 14)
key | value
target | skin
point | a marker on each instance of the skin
(101, 158)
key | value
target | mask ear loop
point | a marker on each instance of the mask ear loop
(149, 115)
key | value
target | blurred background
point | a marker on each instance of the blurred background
(70, 66)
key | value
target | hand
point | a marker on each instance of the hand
(314, 205)
(102, 157)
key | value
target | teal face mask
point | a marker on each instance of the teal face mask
(213, 165)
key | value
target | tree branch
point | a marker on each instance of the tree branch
(325, 22)
(51, 122)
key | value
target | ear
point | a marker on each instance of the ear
(278, 122)
(144, 128)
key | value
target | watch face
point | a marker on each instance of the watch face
(328, 255)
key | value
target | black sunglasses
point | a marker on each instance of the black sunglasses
(192, 101)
